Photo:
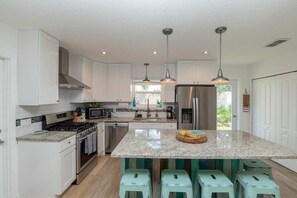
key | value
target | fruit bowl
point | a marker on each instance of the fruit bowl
(191, 136)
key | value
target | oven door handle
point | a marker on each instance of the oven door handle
(81, 139)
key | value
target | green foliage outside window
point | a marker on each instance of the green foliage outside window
(224, 117)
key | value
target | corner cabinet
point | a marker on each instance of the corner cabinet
(195, 72)
(81, 68)
(38, 67)
(99, 82)
(119, 82)
(47, 167)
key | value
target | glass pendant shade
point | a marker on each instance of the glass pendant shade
(167, 79)
(220, 79)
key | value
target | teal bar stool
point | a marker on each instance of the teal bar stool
(136, 180)
(175, 181)
(212, 181)
(255, 183)
(259, 166)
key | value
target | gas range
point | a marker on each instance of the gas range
(63, 122)
(81, 128)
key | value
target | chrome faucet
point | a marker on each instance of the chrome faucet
(148, 111)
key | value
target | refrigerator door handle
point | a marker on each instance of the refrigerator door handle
(197, 113)
(194, 114)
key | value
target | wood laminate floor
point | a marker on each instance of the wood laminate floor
(103, 181)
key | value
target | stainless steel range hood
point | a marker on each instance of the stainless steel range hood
(65, 80)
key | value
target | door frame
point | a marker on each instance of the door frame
(235, 103)
(8, 181)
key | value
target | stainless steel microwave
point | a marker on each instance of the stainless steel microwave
(96, 112)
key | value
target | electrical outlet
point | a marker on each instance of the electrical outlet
(26, 122)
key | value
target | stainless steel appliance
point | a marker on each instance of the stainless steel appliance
(196, 106)
(86, 140)
(114, 133)
(96, 112)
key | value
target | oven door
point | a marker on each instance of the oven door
(85, 151)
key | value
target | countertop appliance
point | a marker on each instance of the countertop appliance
(96, 112)
(196, 107)
(169, 112)
(86, 140)
(114, 133)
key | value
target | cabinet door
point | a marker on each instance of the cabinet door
(87, 78)
(203, 72)
(170, 125)
(124, 82)
(49, 63)
(113, 82)
(100, 142)
(168, 91)
(99, 82)
(185, 72)
(67, 169)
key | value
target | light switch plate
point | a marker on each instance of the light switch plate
(26, 122)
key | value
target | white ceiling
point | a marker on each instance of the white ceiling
(129, 30)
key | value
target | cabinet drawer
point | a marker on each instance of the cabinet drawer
(170, 126)
(65, 144)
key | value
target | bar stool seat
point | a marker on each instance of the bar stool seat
(259, 166)
(136, 180)
(176, 181)
(212, 181)
(255, 183)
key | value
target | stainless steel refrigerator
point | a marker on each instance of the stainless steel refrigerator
(196, 107)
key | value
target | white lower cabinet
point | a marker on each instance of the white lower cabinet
(101, 139)
(46, 169)
(145, 125)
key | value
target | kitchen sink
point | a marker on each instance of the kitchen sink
(148, 119)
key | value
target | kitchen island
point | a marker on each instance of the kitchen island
(228, 146)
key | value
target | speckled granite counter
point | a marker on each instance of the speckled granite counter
(220, 145)
(51, 136)
(131, 119)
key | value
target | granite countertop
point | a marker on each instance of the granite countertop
(157, 143)
(131, 119)
(51, 136)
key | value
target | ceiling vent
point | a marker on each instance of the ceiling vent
(277, 42)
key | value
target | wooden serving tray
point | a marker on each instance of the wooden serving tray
(187, 139)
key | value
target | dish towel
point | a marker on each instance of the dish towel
(94, 141)
(88, 144)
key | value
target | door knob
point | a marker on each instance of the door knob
(234, 116)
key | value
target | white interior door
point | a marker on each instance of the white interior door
(235, 103)
(2, 160)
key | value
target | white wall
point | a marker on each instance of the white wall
(275, 65)
(8, 51)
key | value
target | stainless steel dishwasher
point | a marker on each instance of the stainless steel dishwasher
(114, 133)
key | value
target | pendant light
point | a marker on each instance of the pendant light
(146, 80)
(167, 79)
(220, 79)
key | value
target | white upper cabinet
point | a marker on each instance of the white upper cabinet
(195, 72)
(81, 68)
(99, 82)
(167, 92)
(119, 82)
(38, 66)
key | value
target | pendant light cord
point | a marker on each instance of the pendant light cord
(220, 50)
(167, 54)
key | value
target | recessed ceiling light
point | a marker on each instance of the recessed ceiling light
(205, 52)
(104, 52)
(155, 52)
